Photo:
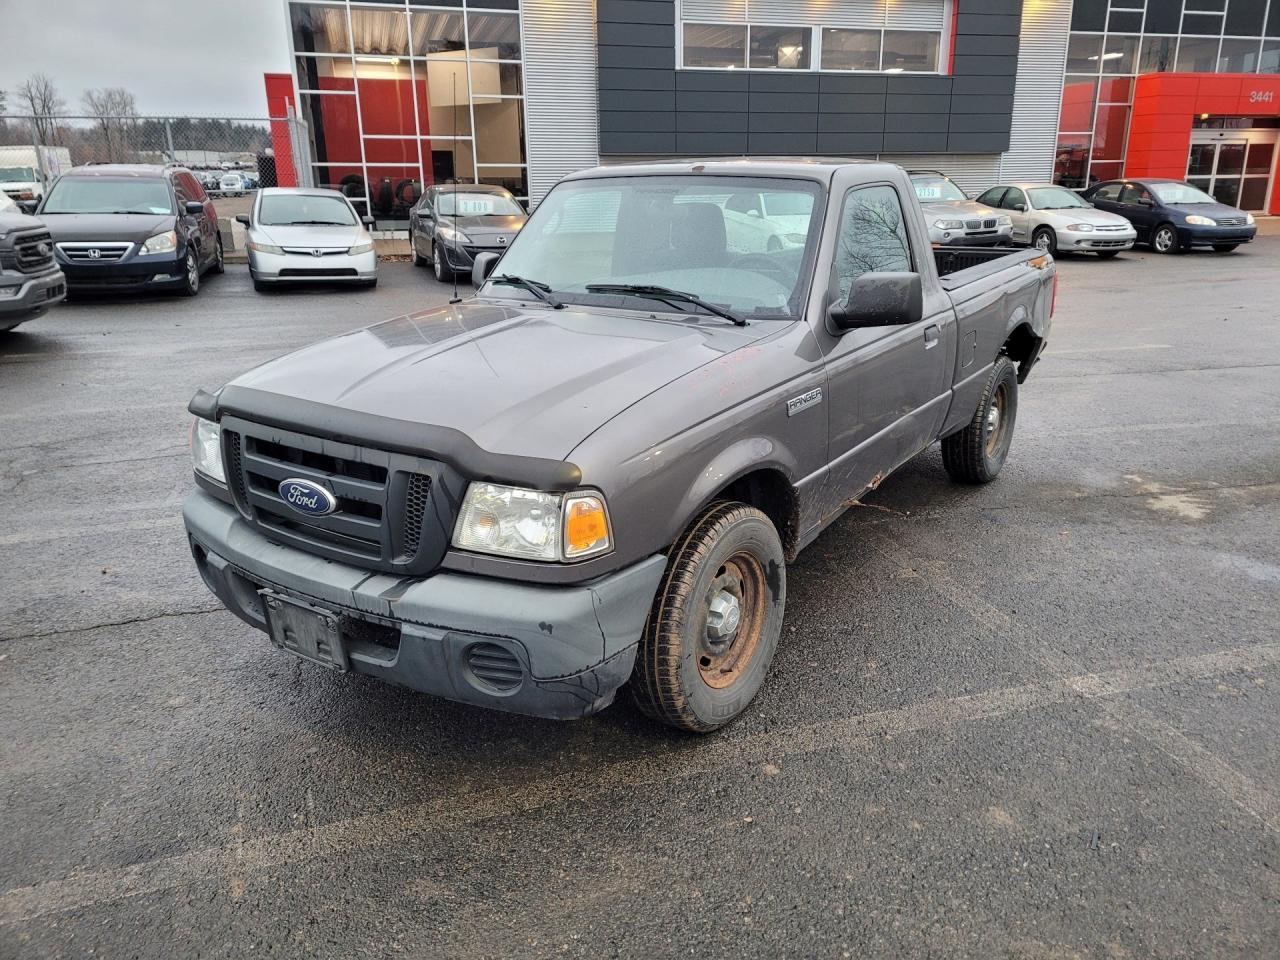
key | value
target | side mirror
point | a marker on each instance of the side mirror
(1146, 202)
(193, 207)
(880, 300)
(1020, 207)
(243, 218)
(367, 220)
(28, 207)
(483, 266)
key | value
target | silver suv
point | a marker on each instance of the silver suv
(954, 219)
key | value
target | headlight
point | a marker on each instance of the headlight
(1004, 221)
(949, 224)
(206, 449)
(1248, 218)
(532, 525)
(1081, 227)
(451, 235)
(265, 248)
(1200, 221)
(360, 248)
(161, 243)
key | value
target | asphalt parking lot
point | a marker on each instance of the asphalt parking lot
(1036, 719)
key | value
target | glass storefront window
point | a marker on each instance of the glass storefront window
(715, 45)
(319, 28)
(515, 179)
(850, 49)
(779, 48)
(494, 36)
(325, 73)
(1158, 54)
(1105, 170)
(1109, 131)
(1259, 158)
(1200, 160)
(385, 86)
(444, 160)
(1084, 52)
(437, 31)
(444, 98)
(1198, 55)
(1120, 55)
(393, 190)
(1078, 98)
(400, 150)
(1072, 161)
(379, 32)
(1253, 195)
(332, 126)
(913, 51)
(499, 134)
(1270, 59)
(346, 178)
(1238, 56)
(1115, 90)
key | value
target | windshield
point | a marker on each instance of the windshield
(282, 209)
(109, 195)
(681, 232)
(934, 188)
(1055, 198)
(17, 175)
(450, 204)
(1180, 193)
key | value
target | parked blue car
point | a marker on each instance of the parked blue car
(1174, 216)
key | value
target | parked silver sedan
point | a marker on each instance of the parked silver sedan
(299, 235)
(1053, 218)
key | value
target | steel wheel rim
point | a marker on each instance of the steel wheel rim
(723, 659)
(997, 420)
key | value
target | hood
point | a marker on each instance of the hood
(311, 235)
(106, 226)
(526, 381)
(1086, 215)
(1215, 210)
(958, 209)
(15, 221)
(475, 227)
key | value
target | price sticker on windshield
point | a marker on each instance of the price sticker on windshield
(476, 208)
(929, 192)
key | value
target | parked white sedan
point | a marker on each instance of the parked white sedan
(1053, 218)
(300, 235)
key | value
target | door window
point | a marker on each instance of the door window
(992, 197)
(1133, 194)
(1013, 198)
(1110, 191)
(873, 236)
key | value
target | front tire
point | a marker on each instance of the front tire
(219, 259)
(1165, 239)
(1045, 239)
(715, 620)
(191, 273)
(440, 265)
(976, 453)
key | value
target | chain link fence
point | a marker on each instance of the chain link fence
(231, 156)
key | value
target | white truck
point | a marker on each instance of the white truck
(25, 172)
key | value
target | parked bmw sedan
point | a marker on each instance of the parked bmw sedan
(954, 219)
(1055, 219)
(299, 235)
(452, 222)
(1173, 216)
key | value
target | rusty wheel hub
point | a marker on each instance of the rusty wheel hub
(733, 619)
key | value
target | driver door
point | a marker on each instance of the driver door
(1139, 208)
(1014, 198)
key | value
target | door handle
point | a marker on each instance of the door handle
(931, 335)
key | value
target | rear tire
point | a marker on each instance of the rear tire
(1165, 239)
(1045, 239)
(976, 453)
(715, 620)
(1224, 247)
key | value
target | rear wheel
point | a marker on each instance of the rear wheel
(976, 453)
(1045, 239)
(1224, 247)
(1165, 239)
(715, 620)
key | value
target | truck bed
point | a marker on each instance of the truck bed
(958, 266)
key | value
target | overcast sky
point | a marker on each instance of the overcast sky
(177, 57)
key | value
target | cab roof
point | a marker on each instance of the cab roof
(807, 168)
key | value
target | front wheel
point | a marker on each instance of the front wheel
(1045, 239)
(1165, 239)
(976, 453)
(715, 620)
(1224, 247)
(191, 273)
(219, 259)
(441, 265)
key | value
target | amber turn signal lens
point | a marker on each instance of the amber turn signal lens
(586, 527)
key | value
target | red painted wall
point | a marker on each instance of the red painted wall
(1165, 104)
(279, 95)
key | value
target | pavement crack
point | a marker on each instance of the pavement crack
(114, 623)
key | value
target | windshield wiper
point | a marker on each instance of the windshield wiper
(308, 223)
(666, 295)
(540, 290)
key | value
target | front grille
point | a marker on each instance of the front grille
(1111, 228)
(973, 224)
(988, 224)
(33, 252)
(383, 517)
(89, 252)
(1232, 221)
(495, 666)
(312, 251)
(318, 272)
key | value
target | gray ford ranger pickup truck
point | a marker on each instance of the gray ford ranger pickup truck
(30, 280)
(593, 472)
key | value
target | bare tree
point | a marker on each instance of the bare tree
(42, 100)
(115, 113)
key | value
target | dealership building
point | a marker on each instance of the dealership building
(395, 96)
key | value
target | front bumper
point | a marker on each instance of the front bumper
(1095, 241)
(1193, 236)
(572, 646)
(463, 256)
(132, 272)
(306, 268)
(972, 238)
(29, 296)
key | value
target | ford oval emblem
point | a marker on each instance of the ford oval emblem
(307, 498)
